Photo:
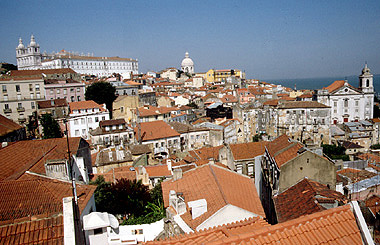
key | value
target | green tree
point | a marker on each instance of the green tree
(335, 152)
(50, 127)
(376, 111)
(101, 93)
(104, 198)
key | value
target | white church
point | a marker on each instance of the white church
(347, 102)
(187, 64)
(30, 58)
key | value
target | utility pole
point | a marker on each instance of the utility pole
(79, 238)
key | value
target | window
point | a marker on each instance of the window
(90, 120)
(77, 132)
(78, 89)
(103, 118)
(346, 103)
(51, 91)
(96, 119)
(19, 105)
(72, 98)
(58, 91)
(83, 131)
(82, 121)
(65, 91)
(76, 122)
(37, 87)
(32, 105)
(78, 98)
(38, 95)
(30, 87)
(17, 88)
(4, 88)
(6, 106)
(162, 144)
(356, 103)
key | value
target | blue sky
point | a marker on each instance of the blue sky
(267, 39)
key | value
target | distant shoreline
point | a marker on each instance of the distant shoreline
(320, 82)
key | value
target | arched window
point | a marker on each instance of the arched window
(367, 83)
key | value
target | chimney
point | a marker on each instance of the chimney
(68, 221)
(177, 173)
(197, 207)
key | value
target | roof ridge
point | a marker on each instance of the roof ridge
(218, 184)
(302, 220)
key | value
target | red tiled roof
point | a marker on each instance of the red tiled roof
(335, 226)
(7, 126)
(248, 150)
(355, 175)
(372, 158)
(302, 198)
(115, 174)
(51, 103)
(31, 155)
(332, 226)
(82, 105)
(39, 72)
(271, 102)
(283, 150)
(373, 203)
(35, 195)
(41, 231)
(158, 171)
(111, 122)
(156, 130)
(206, 153)
(216, 233)
(303, 104)
(219, 187)
(336, 85)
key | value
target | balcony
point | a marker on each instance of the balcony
(9, 110)
(21, 109)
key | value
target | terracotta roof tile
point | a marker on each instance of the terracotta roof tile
(304, 198)
(31, 155)
(219, 187)
(115, 174)
(283, 150)
(39, 72)
(373, 203)
(248, 150)
(355, 175)
(7, 126)
(51, 103)
(372, 158)
(335, 226)
(41, 231)
(216, 233)
(335, 85)
(206, 153)
(87, 104)
(156, 130)
(35, 195)
(302, 104)
(158, 171)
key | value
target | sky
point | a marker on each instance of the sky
(266, 39)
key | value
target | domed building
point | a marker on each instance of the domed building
(187, 64)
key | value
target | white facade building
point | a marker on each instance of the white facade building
(30, 57)
(347, 102)
(85, 116)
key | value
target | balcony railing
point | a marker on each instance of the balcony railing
(21, 109)
(9, 110)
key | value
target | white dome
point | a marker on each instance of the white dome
(187, 61)
(20, 45)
